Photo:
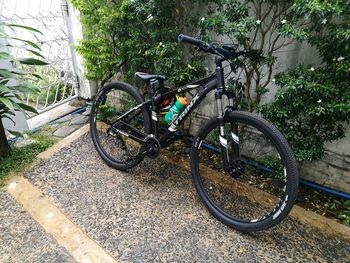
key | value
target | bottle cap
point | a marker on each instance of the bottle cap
(183, 101)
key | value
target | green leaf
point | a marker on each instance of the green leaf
(27, 88)
(25, 27)
(4, 81)
(3, 88)
(32, 61)
(7, 102)
(20, 72)
(27, 107)
(36, 75)
(15, 133)
(28, 42)
(5, 55)
(347, 203)
(8, 117)
(5, 73)
(36, 53)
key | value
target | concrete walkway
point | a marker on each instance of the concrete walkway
(152, 214)
(24, 240)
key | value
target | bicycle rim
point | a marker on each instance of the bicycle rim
(258, 188)
(116, 149)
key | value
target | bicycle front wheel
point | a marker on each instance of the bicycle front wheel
(248, 178)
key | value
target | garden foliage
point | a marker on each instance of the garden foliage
(260, 25)
(140, 35)
(313, 105)
(14, 83)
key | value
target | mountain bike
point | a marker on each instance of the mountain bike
(242, 167)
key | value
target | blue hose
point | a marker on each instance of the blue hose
(79, 110)
(325, 189)
(301, 181)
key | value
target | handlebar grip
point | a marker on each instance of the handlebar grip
(189, 40)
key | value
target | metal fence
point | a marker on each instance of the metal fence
(59, 83)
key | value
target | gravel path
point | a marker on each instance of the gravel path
(152, 214)
(22, 239)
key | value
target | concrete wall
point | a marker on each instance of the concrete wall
(333, 169)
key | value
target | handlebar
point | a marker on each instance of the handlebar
(189, 40)
(226, 51)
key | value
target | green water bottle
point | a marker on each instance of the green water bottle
(176, 109)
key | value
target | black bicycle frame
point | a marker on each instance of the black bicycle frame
(204, 86)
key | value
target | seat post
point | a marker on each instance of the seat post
(156, 84)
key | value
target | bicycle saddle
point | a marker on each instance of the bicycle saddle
(148, 77)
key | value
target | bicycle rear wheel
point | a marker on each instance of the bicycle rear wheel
(257, 188)
(112, 101)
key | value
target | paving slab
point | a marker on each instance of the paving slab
(64, 119)
(41, 119)
(152, 214)
(79, 120)
(22, 239)
(64, 131)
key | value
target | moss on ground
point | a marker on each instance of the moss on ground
(19, 158)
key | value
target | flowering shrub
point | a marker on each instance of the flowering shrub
(313, 104)
(141, 35)
(261, 25)
(311, 108)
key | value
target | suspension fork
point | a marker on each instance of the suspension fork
(222, 138)
(221, 114)
(230, 150)
(234, 130)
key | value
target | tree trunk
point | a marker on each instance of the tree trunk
(4, 146)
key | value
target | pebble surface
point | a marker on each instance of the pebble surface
(22, 239)
(152, 214)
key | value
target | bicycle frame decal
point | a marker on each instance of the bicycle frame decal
(173, 126)
(209, 85)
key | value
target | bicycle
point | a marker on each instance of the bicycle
(247, 150)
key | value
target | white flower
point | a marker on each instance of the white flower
(340, 58)
(202, 19)
(319, 101)
(273, 80)
(284, 21)
(161, 44)
(258, 22)
(312, 69)
(149, 17)
(324, 21)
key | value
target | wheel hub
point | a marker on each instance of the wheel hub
(236, 168)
